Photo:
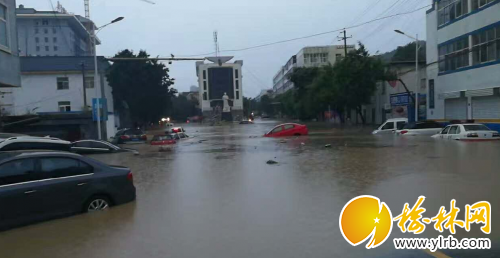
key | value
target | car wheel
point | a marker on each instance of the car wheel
(97, 203)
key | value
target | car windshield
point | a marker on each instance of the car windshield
(476, 128)
(162, 138)
(134, 132)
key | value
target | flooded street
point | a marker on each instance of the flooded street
(215, 196)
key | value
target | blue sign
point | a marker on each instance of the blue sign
(401, 99)
(103, 103)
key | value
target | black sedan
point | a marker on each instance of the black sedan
(97, 147)
(37, 186)
(130, 136)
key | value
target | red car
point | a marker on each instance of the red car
(288, 130)
(163, 140)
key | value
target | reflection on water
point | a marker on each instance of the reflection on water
(215, 196)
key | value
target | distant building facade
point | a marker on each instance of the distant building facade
(215, 79)
(53, 33)
(55, 85)
(307, 57)
(263, 93)
(463, 58)
(392, 99)
(9, 55)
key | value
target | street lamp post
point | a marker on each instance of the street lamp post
(96, 81)
(417, 75)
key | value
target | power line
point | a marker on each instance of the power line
(317, 34)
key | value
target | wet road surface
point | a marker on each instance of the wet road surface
(215, 196)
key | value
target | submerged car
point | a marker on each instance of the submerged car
(290, 129)
(391, 126)
(97, 147)
(125, 136)
(37, 186)
(34, 143)
(162, 140)
(468, 132)
(421, 128)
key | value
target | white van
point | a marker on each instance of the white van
(391, 126)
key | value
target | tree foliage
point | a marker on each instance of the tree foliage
(183, 108)
(349, 84)
(145, 87)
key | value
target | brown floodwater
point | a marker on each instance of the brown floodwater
(214, 195)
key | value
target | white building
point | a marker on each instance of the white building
(9, 57)
(55, 85)
(53, 33)
(307, 57)
(215, 79)
(463, 57)
(391, 99)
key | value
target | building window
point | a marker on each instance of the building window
(314, 58)
(454, 55)
(54, 39)
(205, 96)
(449, 10)
(204, 74)
(306, 58)
(55, 48)
(37, 40)
(237, 85)
(4, 37)
(46, 40)
(338, 57)
(485, 46)
(237, 95)
(54, 30)
(324, 57)
(62, 83)
(37, 48)
(46, 31)
(476, 4)
(236, 73)
(47, 48)
(205, 85)
(432, 104)
(89, 82)
(45, 22)
(64, 106)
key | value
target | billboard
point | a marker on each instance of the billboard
(220, 80)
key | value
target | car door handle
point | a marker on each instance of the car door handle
(30, 192)
(81, 184)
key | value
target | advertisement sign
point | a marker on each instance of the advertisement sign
(103, 103)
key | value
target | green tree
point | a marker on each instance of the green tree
(183, 108)
(355, 79)
(407, 53)
(144, 85)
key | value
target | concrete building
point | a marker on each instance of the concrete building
(263, 93)
(307, 57)
(463, 58)
(56, 85)
(391, 99)
(53, 33)
(9, 55)
(216, 78)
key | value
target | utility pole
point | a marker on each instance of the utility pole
(344, 38)
(84, 86)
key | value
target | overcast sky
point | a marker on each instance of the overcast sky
(186, 28)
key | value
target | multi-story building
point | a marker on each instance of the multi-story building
(53, 33)
(58, 85)
(9, 56)
(307, 57)
(216, 79)
(463, 58)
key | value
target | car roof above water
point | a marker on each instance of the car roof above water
(35, 153)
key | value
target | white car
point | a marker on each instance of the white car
(34, 143)
(468, 132)
(421, 128)
(391, 126)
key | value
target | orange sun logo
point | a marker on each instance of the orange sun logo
(364, 217)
